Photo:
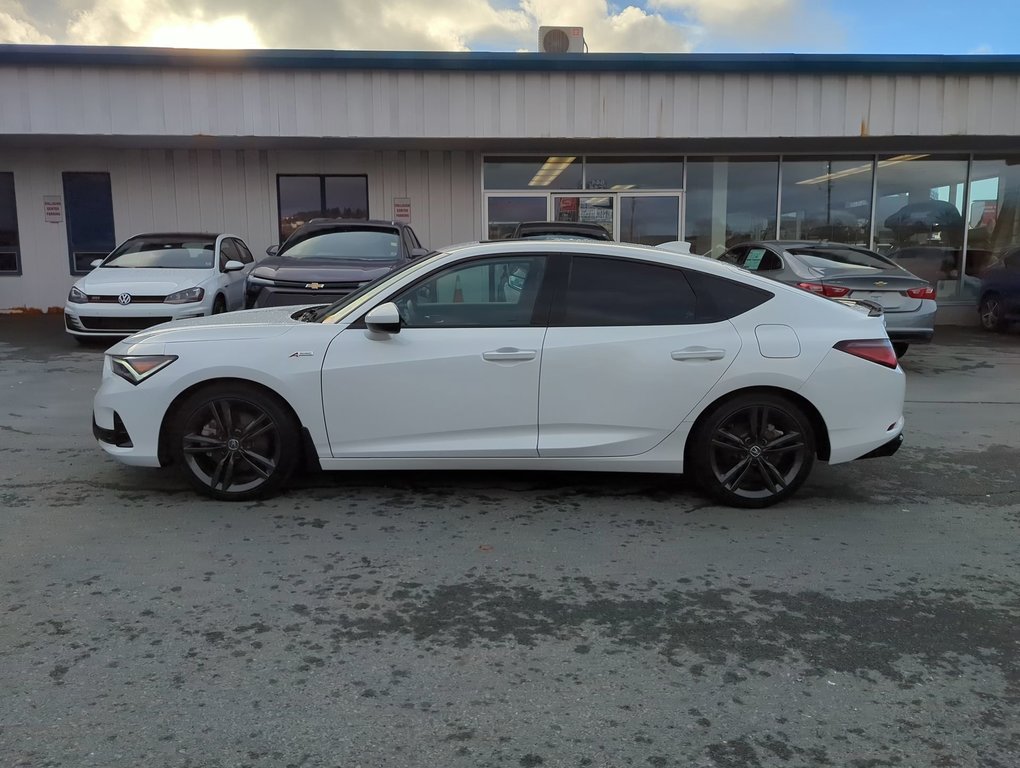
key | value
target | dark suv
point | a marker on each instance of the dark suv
(326, 259)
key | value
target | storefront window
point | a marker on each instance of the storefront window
(827, 199)
(623, 173)
(10, 262)
(730, 201)
(993, 220)
(88, 204)
(649, 219)
(533, 173)
(303, 198)
(919, 219)
(505, 213)
(586, 209)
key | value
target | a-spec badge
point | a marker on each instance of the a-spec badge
(315, 286)
(124, 299)
(302, 354)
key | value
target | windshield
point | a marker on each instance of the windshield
(845, 258)
(163, 253)
(348, 244)
(337, 311)
(559, 236)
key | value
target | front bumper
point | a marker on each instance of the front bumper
(114, 321)
(262, 296)
(126, 420)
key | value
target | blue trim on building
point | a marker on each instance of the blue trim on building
(769, 63)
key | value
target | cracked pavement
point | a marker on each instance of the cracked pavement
(508, 619)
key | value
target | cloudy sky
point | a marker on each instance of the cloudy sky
(854, 26)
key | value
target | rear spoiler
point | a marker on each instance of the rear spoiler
(860, 305)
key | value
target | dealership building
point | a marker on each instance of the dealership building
(916, 157)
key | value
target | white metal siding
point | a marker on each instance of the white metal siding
(180, 102)
(223, 190)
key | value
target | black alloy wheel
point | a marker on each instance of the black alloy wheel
(753, 451)
(235, 442)
(990, 312)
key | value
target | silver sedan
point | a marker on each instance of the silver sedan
(847, 272)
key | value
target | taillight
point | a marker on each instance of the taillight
(927, 292)
(832, 291)
(876, 350)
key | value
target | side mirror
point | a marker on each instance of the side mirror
(95, 262)
(417, 253)
(384, 319)
(233, 266)
(272, 250)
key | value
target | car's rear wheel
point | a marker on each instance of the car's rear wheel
(753, 451)
(900, 348)
(990, 312)
(235, 442)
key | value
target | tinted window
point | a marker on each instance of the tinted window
(242, 249)
(720, 299)
(9, 258)
(492, 293)
(303, 198)
(614, 292)
(354, 244)
(826, 258)
(760, 260)
(734, 255)
(88, 203)
(533, 173)
(162, 253)
(228, 252)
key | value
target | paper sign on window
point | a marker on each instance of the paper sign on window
(754, 257)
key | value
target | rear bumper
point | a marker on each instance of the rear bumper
(916, 327)
(914, 337)
(885, 450)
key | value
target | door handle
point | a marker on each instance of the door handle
(698, 353)
(509, 354)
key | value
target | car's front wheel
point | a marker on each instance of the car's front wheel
(235, 442)
(753, 451)
(990, 312)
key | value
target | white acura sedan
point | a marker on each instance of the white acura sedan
(516, 355)
(152, 279)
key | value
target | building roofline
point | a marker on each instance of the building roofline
(282, 59)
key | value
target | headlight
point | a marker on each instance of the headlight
(137, 368)
(186, 296)
(77, 296)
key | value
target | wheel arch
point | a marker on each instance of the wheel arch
(822, 446)
(164, 454)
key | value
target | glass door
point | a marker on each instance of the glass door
(649, 219)
(587, 209)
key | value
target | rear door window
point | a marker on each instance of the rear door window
(761, 260)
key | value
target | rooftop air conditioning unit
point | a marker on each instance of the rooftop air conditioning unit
(561, 39)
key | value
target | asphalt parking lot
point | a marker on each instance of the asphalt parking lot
(459, 619)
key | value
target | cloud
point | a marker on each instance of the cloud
(16, 26)
(760, 24)
(343, 24)
(159, 23)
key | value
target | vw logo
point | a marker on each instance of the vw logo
(124, 299)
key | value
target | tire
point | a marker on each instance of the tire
(219, 305)
(900, 348)
(730, 455)
(235, 442)
(990, 312)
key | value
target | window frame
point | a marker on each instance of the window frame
(322, 195)
(223, 256)
(16, 250)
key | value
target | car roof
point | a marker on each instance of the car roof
(326, 223)
(787, 244)
(564, 227)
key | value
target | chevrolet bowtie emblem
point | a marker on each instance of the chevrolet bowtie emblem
(315, 286)
(881, 282)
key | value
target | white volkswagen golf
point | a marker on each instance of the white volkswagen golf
(152, 279)
(516, 355)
